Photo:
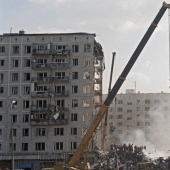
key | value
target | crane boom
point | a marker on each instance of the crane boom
(104, 108)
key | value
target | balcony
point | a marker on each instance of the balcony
(47, 93)
(36, 51)
(40, 94)
(51, 65)
(60, 93)
(98, 80)
(49, 79)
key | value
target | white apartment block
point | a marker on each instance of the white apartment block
(50, 88)
(129, 113)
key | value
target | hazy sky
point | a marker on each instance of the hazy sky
(119, 27)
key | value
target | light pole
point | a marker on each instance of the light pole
(12, 137)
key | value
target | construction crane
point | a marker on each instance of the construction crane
(106, 115)
(72, 164)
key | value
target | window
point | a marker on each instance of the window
(156, 101)
(129, 118)
(1, 76)
(1, 62)
(26, 90)
(147, 101)
(14, 76)
(15, 49)
(74, 89)
(87, 62)
(75, 61)
(74, 103)
(1, 90)
(14, 90)
(120, 101)
(86, 116)
(25, 132)
(129, 111)
(58, 131)
(14, 118)
(59, 90)
(86, 89)
(129, 103)
(27, 76)
(15, 63)
(147, 116)
(147, 123)
(75, 75)
(58, 146)
(60, 75)
(86, 75)
(120, 109)
(84, 130)
(0, 117)
(41, 116)
(73, 145)
(40, 131)
(14, 146)
(138, 115)
(25, 118)
(119, 124)
(26, 104)
(1, 103)
(110, 116)
(119, 116)
(86, 102)
(87, 48)
(138, 124)
(14, 132)
(41, 75)
(0, 132)
(138, 101)
(24, 146)
(40, 146)
(60, 103)
(73, 131)
(42, 103)
(74, 117)
(27, 63)
(129, 126)
(14, 104)
(27, 49)
(147, 108)
(75, 48)
(2, 49)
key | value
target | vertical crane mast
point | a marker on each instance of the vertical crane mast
(116, 87)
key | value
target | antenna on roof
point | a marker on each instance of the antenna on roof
(10, 30)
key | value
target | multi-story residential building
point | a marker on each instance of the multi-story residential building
(50, 89)
(138, 117)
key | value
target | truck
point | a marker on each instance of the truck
(74, 163)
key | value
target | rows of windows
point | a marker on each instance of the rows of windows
(120, 124)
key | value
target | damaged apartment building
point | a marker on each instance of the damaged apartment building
(50, 90)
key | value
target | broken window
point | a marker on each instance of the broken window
(87, 75)
(75, 61)
(27, 76)
(15, 49)
(147, 108)
(74, 89)
(27, 49)
(74, 103)
(25, 118)
(14, 118)
(40, 146)
(25, 132)
(14, 90)
(58, 131)
(26, 104)
(73, 131)
(87, 48)
(15, 76)
(42, 61)
(86, 89)
(85, 116)
(1, 62)
(40, 131)
(75, 75)
(2, 49)
(73, 145)
(42, 103)
(26, 90)
(27, 62)
(86, 102)
(75, 48)
(74, 117)
(15, 63)
(24, 146)
(14, 104)
(41, 75)
(147, 116)
(58, 146)
(87, 62)
(84, 130)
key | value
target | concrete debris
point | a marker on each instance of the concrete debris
(129, 157)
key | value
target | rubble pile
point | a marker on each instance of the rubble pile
(129, 157)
